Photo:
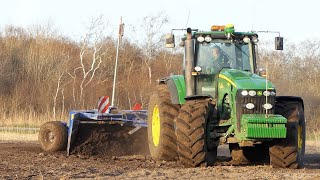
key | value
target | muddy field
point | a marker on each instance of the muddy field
(27, 161)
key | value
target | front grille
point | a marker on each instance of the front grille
(258, 101)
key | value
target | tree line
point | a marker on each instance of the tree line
(44, 72)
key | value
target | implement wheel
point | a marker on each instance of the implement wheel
(161, 129)
(53, 136)
(289, 152)
(193, 134)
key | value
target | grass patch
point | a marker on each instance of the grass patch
(28, 119)
(313, 138)
(17, 136)
(313, 135)
(24, 126)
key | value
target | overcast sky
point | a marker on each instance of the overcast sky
(296, 20)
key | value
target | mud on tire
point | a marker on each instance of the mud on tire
(53, 136)
(191, 131)
(289, 152)
(161, 129)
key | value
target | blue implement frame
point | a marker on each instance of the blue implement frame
(132, 118)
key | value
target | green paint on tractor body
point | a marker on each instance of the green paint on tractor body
(246, 80)
(254, 126)
(181, 87)
(249, 124)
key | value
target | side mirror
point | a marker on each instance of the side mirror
(279, 43)
(170, 41)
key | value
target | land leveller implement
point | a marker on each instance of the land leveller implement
(106, 120)
(224, 100)
(104, 130)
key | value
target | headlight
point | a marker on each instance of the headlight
(246, 39)
(249, 106)
(197, 68)
(244, 93)
(267, 106)
(273, 93)
(255, 40)
(266, 93)
(252, 93)
(208, 39)
(200, 39)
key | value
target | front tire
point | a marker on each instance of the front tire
(53, 136)
(193, 134)
(161, 132)
(289, 152)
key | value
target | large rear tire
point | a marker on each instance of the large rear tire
(193, 134)
(289, 152)
(53, 136)
(161, 129)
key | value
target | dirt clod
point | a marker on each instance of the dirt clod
(109, 140)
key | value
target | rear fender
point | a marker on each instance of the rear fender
(296, 100)
(177, 88)
(290, 98)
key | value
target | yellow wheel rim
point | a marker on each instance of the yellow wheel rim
(155, 126)
(300, 141)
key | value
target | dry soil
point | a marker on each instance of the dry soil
(20, 160)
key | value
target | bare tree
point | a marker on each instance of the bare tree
(151, 38)
(90, 57)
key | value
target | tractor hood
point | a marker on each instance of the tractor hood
(244, 80)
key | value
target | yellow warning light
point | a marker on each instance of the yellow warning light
(217, 28)
(194, 73)
(229, 26)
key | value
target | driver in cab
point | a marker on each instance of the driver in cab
(217, 61)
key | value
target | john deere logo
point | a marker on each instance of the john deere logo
(259, 93)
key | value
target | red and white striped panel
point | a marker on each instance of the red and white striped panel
(103, 104)
(137, 107)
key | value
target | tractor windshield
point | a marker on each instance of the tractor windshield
(218, 54)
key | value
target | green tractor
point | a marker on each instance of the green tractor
(221, 100)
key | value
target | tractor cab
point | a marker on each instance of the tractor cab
(219, 53)
(216, 50)
(210, 52)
